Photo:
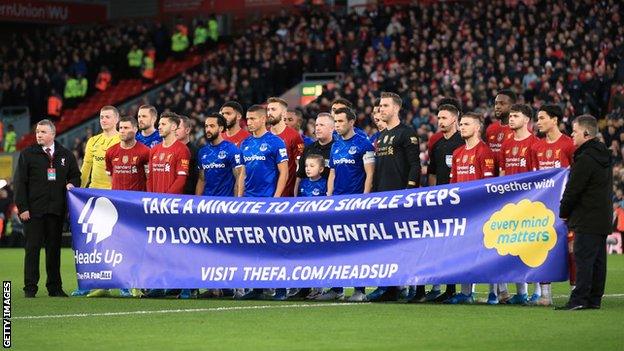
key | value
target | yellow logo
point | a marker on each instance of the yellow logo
(525, 229)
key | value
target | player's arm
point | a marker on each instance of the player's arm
(369, 169)
(501, 160)
(87, 164)
(201, 183)
(330, 182)
(412, 151)
(181, 173)
(239, 184)
(282, 169)
(150, 173)
(109, 164)
(297, 182)
(431, 169)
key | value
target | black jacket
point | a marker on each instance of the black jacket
(587, 199)
(33, 191)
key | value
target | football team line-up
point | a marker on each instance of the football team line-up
(269, 159)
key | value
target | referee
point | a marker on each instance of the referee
(44, 173)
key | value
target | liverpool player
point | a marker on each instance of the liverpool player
(276, 112)
(397, 164)
(499, 131)
(471, 161)
(126, 165)
(233, 113)
(556, 150)
(515, 157)
(183, 134)
(168, 169)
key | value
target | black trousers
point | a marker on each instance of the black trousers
(41, 232)
(590, 252)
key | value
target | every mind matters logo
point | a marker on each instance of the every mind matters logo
(525, 229)
(98, 219)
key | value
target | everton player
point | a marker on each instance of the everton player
(555, 150)
(266, 168)
(515, 157)
(148, 134)
(471, 161)
(352, 164)
(219, 161)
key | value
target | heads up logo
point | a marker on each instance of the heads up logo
(98, 219)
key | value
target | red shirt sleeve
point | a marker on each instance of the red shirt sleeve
(108, 161)
(183, 156)
(150, 187)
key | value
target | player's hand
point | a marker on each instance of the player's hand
(70, 186)
(24, 216)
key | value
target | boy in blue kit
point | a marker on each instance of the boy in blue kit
(315, 184)
(352, 165)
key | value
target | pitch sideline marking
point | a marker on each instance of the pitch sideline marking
(215, 309)
(190, 310)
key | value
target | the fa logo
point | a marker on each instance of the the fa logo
(98, 219)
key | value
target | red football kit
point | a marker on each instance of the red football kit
(294, 147)
(168, 168)
(127, 166)
(471, 164)
(516, 156)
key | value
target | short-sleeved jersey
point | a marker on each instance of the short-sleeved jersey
(237, 138)
(347, 159)
(441, 157)
(294, 146)
(127, 167)
(168, 168)
(471, 164)
(217, 164)
(94, 163)
(261, 156)
(516, 156)
(558, 154)
(150, 140)
(309, 188)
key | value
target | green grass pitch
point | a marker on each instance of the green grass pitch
(219, 324)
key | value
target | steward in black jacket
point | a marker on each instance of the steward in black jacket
(587, 201)
(587, 206)
(44, 172)
(33, 191)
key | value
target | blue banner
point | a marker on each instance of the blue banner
(504, 229)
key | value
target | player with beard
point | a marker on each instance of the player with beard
(294, 119)
(233, 113)
(471, 161)
(126, 164)
(276, 112)
(183, 135)
(495, 134)
(381, 125)
(516, 157)
(439, 173)
(148, 134)
(168, 169)
(555, 150)
(397, 165)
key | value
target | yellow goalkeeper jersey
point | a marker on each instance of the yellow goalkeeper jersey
(94, 163)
